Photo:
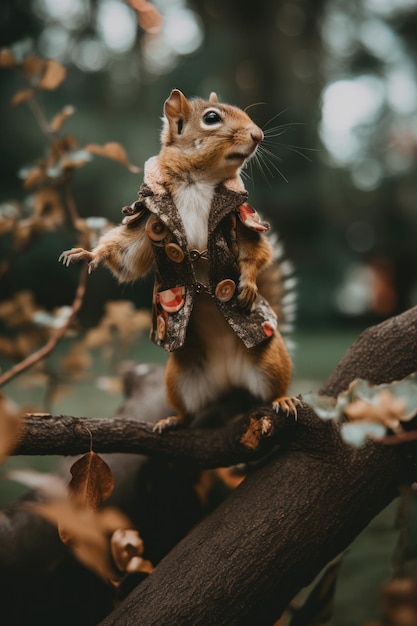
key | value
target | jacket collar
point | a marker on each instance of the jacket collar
(228, 196)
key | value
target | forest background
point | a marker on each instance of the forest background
(338, 80)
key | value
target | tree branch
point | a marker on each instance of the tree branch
(291, 516)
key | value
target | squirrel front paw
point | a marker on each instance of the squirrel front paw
(78, 254)
(247, 294)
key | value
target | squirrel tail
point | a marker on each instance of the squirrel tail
(277, 284)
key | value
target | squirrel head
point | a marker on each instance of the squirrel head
(205, 139)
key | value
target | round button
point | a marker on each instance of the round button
(225, 290)
(161, 327)
(155, 229)
(174, 252)
(269, 327)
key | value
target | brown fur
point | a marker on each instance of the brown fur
(194, 151)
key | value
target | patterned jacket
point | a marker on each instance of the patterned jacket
(176, 284)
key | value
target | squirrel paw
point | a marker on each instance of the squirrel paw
(167, 423)
(287, 404)
(78, 254)
(247, 294)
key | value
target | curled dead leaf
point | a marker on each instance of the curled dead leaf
(61, 117)
(92, 480)
(113, 150)
(7, 58)
(54, 74)
(385, 409)
(127, 549)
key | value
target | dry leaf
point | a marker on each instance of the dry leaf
(77, 361)
(48, 211)
(22, 96)
(385, 409)
(54, 74)
(34, 176)
(149, 18)
(7, 58)
(61, 117)
(86, 532)
(11, 426)
(113, 150)
(33, 66)
(127, 549)
(92, 480)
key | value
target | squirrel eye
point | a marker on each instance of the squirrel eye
(211, 117)
(180, 124)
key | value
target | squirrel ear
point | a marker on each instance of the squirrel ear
(176, 106)
(213, 97)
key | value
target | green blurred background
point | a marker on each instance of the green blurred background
(338, 78)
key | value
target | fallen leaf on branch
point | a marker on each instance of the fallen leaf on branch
(113, 150)
(92, 480)
(385, 409)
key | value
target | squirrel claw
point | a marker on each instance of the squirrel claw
(166, 424)
(77, 254)
(287, 404)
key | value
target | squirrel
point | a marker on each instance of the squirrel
(215, 307)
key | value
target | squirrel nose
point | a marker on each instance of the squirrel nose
(256, 134)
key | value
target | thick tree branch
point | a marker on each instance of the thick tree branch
(291, 516)
(241, 440)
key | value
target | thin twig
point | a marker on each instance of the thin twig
(54, 339)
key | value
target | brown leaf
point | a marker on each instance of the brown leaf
(149, 18)
(86, 532)
(77, 360)
(7, 58)
(61, 117)
(388, 410)
(113, 150)
(35, 176)
(48, 209)
(33, 66)
(127, 549)
(92, 480)
(53, 75)
(11, 426)
(22, 96)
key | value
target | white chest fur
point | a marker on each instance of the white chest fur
(193, 202)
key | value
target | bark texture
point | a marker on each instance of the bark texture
(244, 562)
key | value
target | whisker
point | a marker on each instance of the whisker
(275, 117)
(264, 160)
(254, 104)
